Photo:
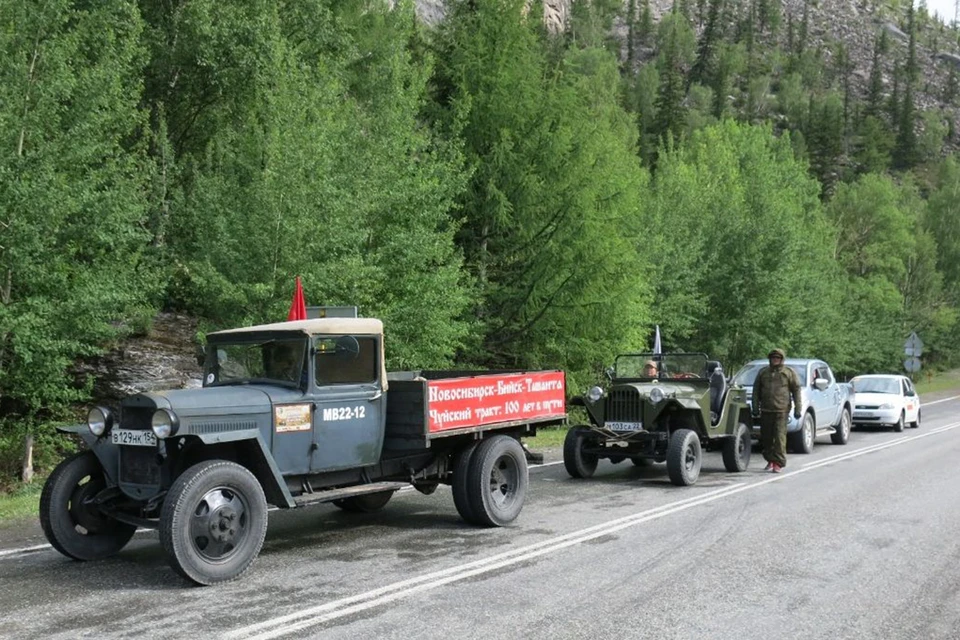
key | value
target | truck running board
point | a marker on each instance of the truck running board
(329, 495)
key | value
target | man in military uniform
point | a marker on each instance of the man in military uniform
(772, 391)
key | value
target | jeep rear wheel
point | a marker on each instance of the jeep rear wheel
(842, 433)
(213, 522)
(74, 528)
(737, 449)
(578, 463)
(497, 481)
(684, 457)
(367, 503)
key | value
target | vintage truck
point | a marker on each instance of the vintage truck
(292, 414)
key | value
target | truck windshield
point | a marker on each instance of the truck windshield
(748, 375)
(670, 365)
(277, 361)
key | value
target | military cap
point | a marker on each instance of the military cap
(777, 352)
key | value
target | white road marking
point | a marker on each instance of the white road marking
(925, 404)
(299, 620)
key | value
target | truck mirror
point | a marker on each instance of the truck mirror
(201, 354)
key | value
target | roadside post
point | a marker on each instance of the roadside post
(913, 349)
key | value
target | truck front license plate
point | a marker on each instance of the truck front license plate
(624, 426)
(133, 438)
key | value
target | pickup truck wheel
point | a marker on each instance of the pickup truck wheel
(802, 441)
(461, 499)
(578, 463)
(916, 424)
(367, 503)
(497, 481)
(74, 529)
(213, 522)
(898, 427)
(737, 449)
(842, 433)
(684, 457)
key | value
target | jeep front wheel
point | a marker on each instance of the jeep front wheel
(74, 528)
(684, 457)
(213, 522)
(737, 449)
(578, 463)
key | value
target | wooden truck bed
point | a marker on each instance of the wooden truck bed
(426, 405)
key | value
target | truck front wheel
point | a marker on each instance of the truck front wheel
(75, 529)
(497, 481)
(213, 522)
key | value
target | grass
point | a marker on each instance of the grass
(940, 381)
(547, 437)
(22, 502)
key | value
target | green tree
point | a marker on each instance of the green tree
(73, 177)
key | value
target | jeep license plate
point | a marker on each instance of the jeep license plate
(624, 426)
(133, 438)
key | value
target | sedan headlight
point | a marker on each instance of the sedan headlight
(888, 405)
(165, 423)
(594, 394)
(99, 421)
(656, 395)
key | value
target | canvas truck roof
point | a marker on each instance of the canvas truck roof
(315, 326)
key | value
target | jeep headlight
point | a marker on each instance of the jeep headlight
(594, 394)
(99, 421)
(888, 405)
(656, 395)
(165, 423)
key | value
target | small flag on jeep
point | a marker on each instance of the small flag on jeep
(657, 348)
(298, 307)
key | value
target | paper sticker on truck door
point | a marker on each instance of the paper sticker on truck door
(292, 417)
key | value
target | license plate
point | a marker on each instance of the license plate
(133, 438)
(624, 426)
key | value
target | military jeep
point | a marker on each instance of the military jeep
(662, 408)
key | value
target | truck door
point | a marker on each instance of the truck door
(349, 414)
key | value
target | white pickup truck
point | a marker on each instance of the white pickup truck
(827, 404)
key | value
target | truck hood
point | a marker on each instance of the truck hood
(207, 401)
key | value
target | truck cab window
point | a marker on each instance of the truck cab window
(346, 360)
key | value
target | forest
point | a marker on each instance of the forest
(499, 194)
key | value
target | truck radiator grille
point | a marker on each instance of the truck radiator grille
(138, 465)
(221, 427)
(623, 405)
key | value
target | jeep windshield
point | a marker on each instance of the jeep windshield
(748, 375)
(662, 366)
(271, 361)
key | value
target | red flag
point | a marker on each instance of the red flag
(298, 307)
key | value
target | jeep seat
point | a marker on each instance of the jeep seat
(718, 389)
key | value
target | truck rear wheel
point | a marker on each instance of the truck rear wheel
(684, 457)
(497, 481)
(213, 522)
(578, 463)
(461, 499)
(367, 503)
(74, 529)
(736, 450)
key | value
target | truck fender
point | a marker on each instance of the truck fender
(254, 455)
(107, 454)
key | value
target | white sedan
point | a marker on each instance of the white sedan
(885, 400)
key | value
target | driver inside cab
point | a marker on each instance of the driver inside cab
(285, 364)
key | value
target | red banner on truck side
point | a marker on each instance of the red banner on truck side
(460, 403)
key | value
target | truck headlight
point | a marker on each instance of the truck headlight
(99, 421)
(656, 395)
(165, 423)
(594, 394)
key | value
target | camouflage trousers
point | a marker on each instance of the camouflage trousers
(773, 436)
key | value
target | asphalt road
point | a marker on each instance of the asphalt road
(855, 541)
